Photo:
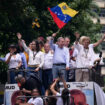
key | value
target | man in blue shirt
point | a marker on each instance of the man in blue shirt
(61, 57)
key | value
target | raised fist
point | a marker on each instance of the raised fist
(19, 36)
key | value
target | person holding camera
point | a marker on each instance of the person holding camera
(62, 98)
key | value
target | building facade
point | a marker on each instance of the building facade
(101, 4)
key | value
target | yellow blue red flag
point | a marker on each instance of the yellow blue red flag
(62, 14)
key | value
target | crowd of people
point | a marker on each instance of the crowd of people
(37, 67)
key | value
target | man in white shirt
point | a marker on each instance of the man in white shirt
(47, 66)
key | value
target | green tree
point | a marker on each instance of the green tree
(17, 16)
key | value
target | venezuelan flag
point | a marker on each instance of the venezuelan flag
(62, 14)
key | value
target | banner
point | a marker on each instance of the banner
(82, 92)
(11, 91)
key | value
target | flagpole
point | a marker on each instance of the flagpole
(58, 31)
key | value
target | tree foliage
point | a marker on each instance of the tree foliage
(17, 16)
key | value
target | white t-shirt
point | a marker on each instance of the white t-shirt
(48, 60)
(14, 61)
(36, 101)
(59, 99)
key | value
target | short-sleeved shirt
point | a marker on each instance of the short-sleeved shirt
(14, 61)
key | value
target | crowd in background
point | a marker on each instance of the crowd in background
(36, 67)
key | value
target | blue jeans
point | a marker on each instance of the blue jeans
(47, 78)
(12, 77)
(13, 73)
(59, 71)
(39, 73)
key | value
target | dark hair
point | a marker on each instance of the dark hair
(37, 45)
(14, 46)
(41, 43)
(65, 96)
(36, 89)
(51, 100)
(20, 49)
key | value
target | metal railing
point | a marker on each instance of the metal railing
(69, 100)
(24, 71)
(16, 71)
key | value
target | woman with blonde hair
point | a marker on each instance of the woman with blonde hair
(86, 57)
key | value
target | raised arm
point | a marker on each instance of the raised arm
(77, 35)
(99, 41)
(53, 86)
(77, 46)
(77, 43)
(51, 42)
(19, 36)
